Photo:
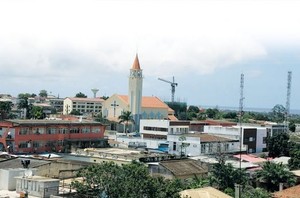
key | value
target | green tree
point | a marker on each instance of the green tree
(126, 118)
(224, 176)
(278, 113)
(292, 126)
(294, 161)
(37, 112)
(80, 95)
(272, 174)
(23, 100)
(278, 145)
(250, 192)
(198, 182)
(5, 109)
(230, 115)
(129, 180)
(43, 93)
(213, 113)
(75, 112)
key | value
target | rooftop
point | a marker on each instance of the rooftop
(292, 192)
(250, 158)
(184, 168)
(148, 102)
(86, 99)
(207, 192)
(14, 163)
(41, 122)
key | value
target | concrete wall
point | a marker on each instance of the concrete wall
(7, 178)
(37, 186)
(261, 134)
(53, 169)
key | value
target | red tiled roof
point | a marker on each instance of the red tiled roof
(147, 102)
(292, 192)
(172, 117)
(250, 158)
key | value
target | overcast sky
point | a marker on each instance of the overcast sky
(66, 47)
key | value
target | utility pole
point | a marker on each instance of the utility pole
(288, 97)
(241, 112)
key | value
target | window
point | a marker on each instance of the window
(74, 130)
(38, 131)
(63, 130)
(251, 139)
(24, 131)
(174, 146)
(226, 147)
(51, 130)
(23, 145)
(85, 130)
(210, 147)
(96, 130)
(203, 148)
(36, 144)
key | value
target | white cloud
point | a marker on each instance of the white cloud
(40, 38)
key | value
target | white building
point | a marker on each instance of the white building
(7, 177)
(253, 137)
(83, 105)
(199, 143)
(159, 129)
(37, 186)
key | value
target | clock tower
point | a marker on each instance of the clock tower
(135, 91)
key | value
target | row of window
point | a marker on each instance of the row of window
(37, 144)
(210, 148)
(83, 106)
(37, 131)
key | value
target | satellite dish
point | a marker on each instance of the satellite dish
(28, 173)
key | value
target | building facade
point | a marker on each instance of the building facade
(37, 136)
(253, 137)
(85, 106)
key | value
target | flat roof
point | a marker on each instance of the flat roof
(19, 121)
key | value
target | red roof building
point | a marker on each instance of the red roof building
(37, 136)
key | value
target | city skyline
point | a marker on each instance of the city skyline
(66, 47)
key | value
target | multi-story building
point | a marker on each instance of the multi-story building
(253, 137)
(83, 105)
(159, 129)
(29, 136)
(175, 137)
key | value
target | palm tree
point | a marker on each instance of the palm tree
(126, 117)
(272, 174)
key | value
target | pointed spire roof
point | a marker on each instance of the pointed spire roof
(136, 63)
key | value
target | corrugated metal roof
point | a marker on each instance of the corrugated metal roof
(183, 168)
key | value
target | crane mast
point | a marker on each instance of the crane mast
(173, 85)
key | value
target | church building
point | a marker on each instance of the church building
(141, 107)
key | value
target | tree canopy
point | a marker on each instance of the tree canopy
(129, 180)
(43, 93)
(80, 95)
(272, 174)
(126, 117)
(224, 176)
(278, 145)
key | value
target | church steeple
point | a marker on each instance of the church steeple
(136, 63)
(135, 90)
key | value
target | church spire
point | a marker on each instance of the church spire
(136, 63)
